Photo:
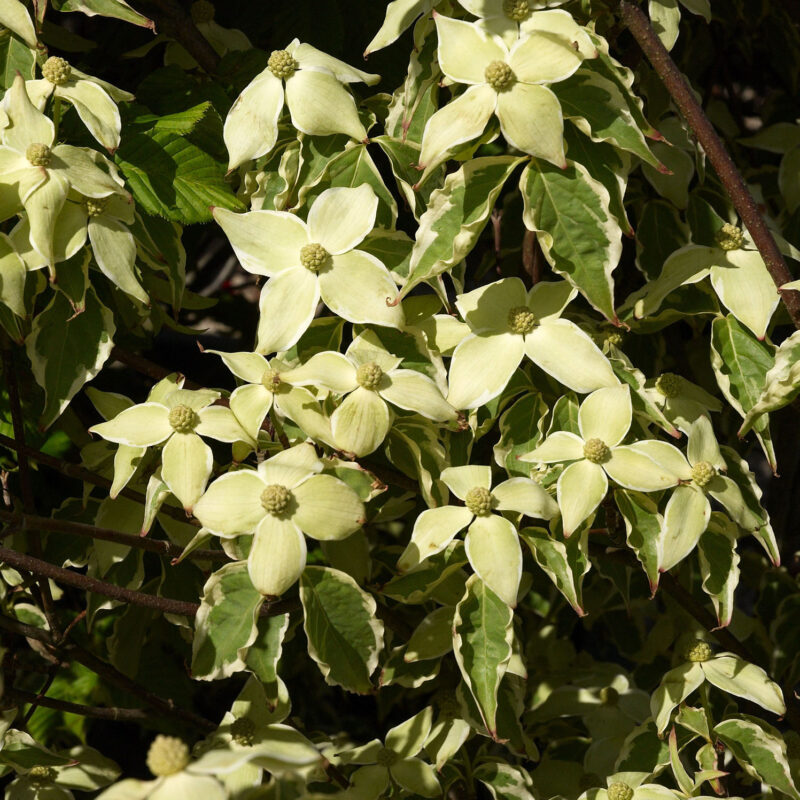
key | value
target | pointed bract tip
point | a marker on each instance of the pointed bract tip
(656, 136)
(664, 170)
(392, 303)
(564, 165)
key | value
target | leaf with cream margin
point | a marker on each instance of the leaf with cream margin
(674, 688)
(456, 215)
(226, 623)
(67, 350)
(719, 565)
(579, 236)
(761, 751)
(482, 636)
(344, 635)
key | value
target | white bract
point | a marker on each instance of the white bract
(503, 80)
(310, 82)
(597, 454)
(177, 422)
(371, 377)
(313, 259)
(682, 401)
(508, 323)
(492, 542)
(38, 174)
(279, 502)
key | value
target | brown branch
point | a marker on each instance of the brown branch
(27, 522)
(744, 202)
(79, 581)
(146, 367)
(82, 474)
(176, 23)
(16, 696)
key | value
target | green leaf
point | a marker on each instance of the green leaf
(456, 215)
(675, 687)
(761, 751)
(181, 122)
(736, 676)
(719, 565)
(504, 781)
(67, 350)
(482, 635)
(344, 635)
(642, 528)
(265, 651)
(659, 234)
(15, 56)
(570, 212)
(781, 382)
(226, 623)
(116, 9)
(521, 430)
(177, 176)
(417, 585)
(565, 561)
(598, 108)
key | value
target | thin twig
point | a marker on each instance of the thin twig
(29, 522)
(744, 202)
(17, 696)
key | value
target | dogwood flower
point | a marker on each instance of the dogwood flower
(91, 98)
(492, 542)
(177, 422)
(306, 260)
(506, 81)
(371, 378)
(682, 401)
(37, 174)
(508, 323)
(604, 419)
(737, 272)
(310, 82)
(279, 502)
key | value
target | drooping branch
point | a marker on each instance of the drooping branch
(744, 202)
(28, 522)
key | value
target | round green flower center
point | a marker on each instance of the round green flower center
(281, 64)
(698, 651)
(183, 419)
(669, 384)
(271, 379)
(596, 451)
(94, 206)
(500, 76)
(521, 320)
(729, 237)
(479, 501)
(38, 154)
(518, 10)
(386, 757)
(41, 774)
(313, 256)
(609, 696)
(202, 11)
(702, 473)
(243, 731)
(275, 499)
(615, 338)
(369, 375)
(620, 791)
(56, 70)
(167, 755)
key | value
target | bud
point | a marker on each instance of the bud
(669, 384)
(500, 76)
(596, 451)
(620, 791)
(698, 652)
(202, 11)
(479, 501)
(243, 731)
(729, 237)
(275, 499)
(702, 473)
(56, 70)
(94, 206)
(281, 64)
(313, 256)
(183, 419)
(369, 375)
(38, 155)
(521, 320)
(518, 10)
(167, 755)
(614, 338)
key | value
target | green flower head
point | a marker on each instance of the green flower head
(56, 70)
(167, 755)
